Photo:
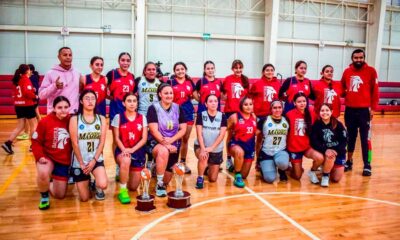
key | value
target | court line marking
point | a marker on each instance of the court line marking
(176, 211)
(276, 210)
(13, 175)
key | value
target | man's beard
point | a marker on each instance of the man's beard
(358, 65)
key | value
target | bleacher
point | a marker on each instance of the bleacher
(389, 97)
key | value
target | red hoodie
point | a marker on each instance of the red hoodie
(51, 140)
(328, 94)
(24, 93)
(263, 93)
(234, 90)
(361, 87)
(298, 139)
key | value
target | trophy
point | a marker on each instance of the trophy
(145, 202)
(178, 198)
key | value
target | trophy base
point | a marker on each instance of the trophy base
(178, 202)
(145, 205)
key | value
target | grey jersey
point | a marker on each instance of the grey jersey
(211, 131)
(89, 135)
(147, 92)
(274, 136)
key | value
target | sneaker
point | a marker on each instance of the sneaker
(348, 166)
(7, 146)
(23, 136)
(187, 170)
(229, 164)
(200, 183)
(99, 195)
(161, 190)
(325, 181)
(117, 173)
(238, 182)
(44, 203)
(92, 185)
(231, 169)
(70, 180)
(313, 177)
(367, 172)
(282, 176)
(123, 196)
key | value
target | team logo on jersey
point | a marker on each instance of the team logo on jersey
(329, 95)
(35, 135)
(170, 125)
(204, 118)
(254, 123)
(60, 138)
(269, 124)
(103, 87)
(269, 93)
(131, 136)
(139, 127)
(306, 87)
(300, 127)
(284, 125)
(77, 171)
(97, 126)
(241, 121)
(81, 127)
(188, 88)
(29, 87)
(237, 90)
(217, 87)
(355, 82)
(157, 84)
(143, 83)
(328, 134)
(131, 82)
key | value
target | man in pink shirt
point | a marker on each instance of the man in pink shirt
(63, 80)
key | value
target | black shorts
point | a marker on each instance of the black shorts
(27, 112)
(78, 175)
(213, 158)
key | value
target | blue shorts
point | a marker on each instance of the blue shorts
(248, 148)
(296, 157)
(138, 158)
(78, 175)
(60, 172)
(340, 161)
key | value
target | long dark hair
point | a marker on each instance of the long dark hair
(333, 121)
(22, 69)
(245, 79)
(84, 92)
(60, 99)
(298, 63)
(160, 88)
(307, 113)
(205, 64)
(122, 54)
(187, 77)
(241, 103)
(32, 68)
(146, 65)
(323, 70)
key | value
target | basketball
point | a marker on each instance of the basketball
(145, 174)
(179, 169)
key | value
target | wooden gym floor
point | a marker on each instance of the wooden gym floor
(356, 208)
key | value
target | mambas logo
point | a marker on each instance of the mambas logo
(60, 138)
(269, 93)
(329, 95)
(355, 82)
(237, 90)
(89, 136)
(300, 127)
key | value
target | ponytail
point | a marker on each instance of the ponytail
(22, 69)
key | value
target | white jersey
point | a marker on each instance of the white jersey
(88, 140)
(274, 135)
(147, 92)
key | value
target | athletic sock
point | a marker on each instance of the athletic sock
(122, 185)
(183, 160)
(160, 179)
(325, 174)
(201, 176)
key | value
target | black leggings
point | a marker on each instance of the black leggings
(358, 118)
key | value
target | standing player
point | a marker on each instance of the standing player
(183, 88)
(273, 153)
(327, 91)
(146, 87)
(329, 137)
(243, 127)
(300, 121)
(130, 132)
(88, 136)
(263, 92)
(207, 85)
(51, 146)
(295, 84)
(208, 147)
(360, 83)
(24, 95)
(167, 126)
(96, 82)
(234, 87)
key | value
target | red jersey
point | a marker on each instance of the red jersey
(130, 132)
(120, 85)
(182, 91)
(100, 88)
(361, 87)
(234, 90)
(244, 129)
(24, 93)
(292, 85)
(298, 139)
(263, 93)
(51, 140)
(328, 94)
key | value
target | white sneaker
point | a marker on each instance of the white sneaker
(313, 177)
(325, 181)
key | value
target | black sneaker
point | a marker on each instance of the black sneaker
(161, 190)
(99, 195)
(7, 146)
(367, 172)
(282, 176)
(348, 166)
